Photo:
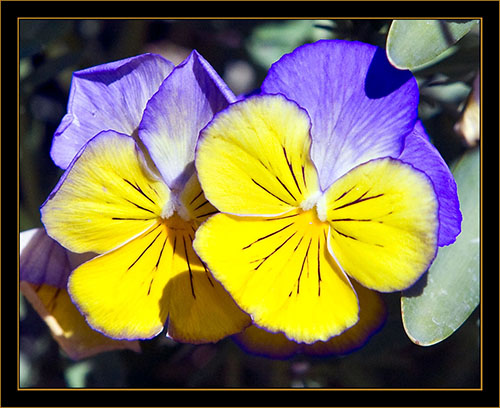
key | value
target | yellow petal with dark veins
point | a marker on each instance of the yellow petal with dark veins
(280, 271)
(383, 217)
(106, 196)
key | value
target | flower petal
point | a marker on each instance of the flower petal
(372, 315)
(360, 106)
(44, 269)
(383, 217)
(261, 342)
(280, 271)
(422, 155)
(109, 96)
(253, 158)
(185, 102)
(128, 293)
(106, 196)
(36, 246)
(115, 291)
(200, 310)
(193, 200)
(67, 325)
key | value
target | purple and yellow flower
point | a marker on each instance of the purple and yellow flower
(325, 177)
(130, 194)
(44, 268)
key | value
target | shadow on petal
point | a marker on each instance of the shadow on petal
(200, 310)
(382, 78)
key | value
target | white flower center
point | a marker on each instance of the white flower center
(174, 205)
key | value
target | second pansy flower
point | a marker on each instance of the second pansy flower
(325, 177)
(134, 198)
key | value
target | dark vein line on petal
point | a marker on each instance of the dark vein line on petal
(175, 244)
(207, 273)
(273, 252)
(319, 268)
(189, 267)
(285, 187)
(302, 267)
(269, 235)
(351, 219)
(281, 218)
(359, 200)
(357, 239)
(300, 240)
(291, 170)
(194, 199)
(304, 176)
(161, 251)
(267, 191)
(344, 235)
(201, 205)
(152, 230)
(138, 206)
(130, 219)
(143, 252)
(136, 186)
(51, 304)
(206, 214)
(345, 193)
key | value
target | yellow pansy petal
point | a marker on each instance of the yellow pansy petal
(106, 196)
(372, 315)
(67, 325)
(206, 315)
(383, 217)
(120, 293)
(194, 202)
(130, 291)
(280, 271)
(253, 158)
(200, 310)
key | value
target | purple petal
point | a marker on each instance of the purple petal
(422, 155)
(185, 102)
(109, 96)
(360, 106)
(43, 261)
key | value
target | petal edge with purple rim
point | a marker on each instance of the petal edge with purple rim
(422, 155)
(360, 106)
(107, 97)
(42, 260)
(185, 102)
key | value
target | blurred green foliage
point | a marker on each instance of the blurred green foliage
(240, 51)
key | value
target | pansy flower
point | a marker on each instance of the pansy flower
(323, 178)
(44, 268)
(132, 196)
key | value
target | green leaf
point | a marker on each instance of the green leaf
(412, 44)
(269, 42)
(445, 297)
